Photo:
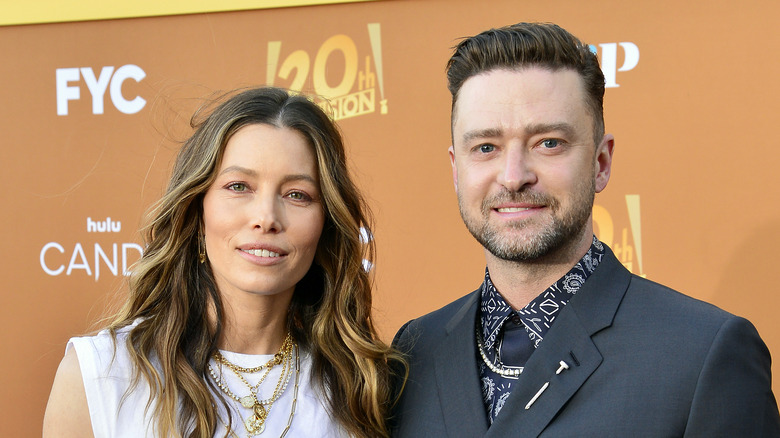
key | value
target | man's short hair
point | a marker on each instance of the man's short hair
(524, 45)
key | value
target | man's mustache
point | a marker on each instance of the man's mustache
(524, 196)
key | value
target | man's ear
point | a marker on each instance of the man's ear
(451, 151)
(603, 161)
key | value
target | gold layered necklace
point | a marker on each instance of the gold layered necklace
(255, 422)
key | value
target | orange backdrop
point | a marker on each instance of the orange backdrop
(93, 112)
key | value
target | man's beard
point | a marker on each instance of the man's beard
(565, 228)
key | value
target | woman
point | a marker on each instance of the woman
(249, 311)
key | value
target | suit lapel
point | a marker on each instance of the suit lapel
(566, 342)
(457, 377)
(569, 340)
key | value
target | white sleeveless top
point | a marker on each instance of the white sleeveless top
(107, 378)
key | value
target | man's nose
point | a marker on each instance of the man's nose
(517, 169)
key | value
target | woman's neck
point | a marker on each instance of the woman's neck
(254, 324)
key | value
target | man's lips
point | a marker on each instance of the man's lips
(513, 209)
(514, 205)
(516, 208)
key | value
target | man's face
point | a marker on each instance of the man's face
(525, 164)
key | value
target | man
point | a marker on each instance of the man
(560, 340)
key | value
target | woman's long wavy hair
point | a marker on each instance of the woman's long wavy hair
(176, 297)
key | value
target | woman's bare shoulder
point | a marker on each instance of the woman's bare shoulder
(67, 412)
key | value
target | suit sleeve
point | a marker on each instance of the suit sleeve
(733, 394)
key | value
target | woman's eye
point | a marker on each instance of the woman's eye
(487, 148)
(298, 196)
(237, 187)
(550, 143)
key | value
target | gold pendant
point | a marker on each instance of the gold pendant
(260, 412)
(254, 425)
(247, 401)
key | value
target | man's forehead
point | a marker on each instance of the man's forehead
(500, 97)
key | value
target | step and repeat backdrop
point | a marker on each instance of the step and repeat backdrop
(94, 109)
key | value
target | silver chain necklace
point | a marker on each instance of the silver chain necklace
(500, 368)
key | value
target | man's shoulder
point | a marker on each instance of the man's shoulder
(432, 325)
(652, 310)
(443, 314)
(649, 293)
(634, 306)
(614, 285)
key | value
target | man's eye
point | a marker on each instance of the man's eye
(487, 148)
(550, 143)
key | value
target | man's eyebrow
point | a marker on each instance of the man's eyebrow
(482, 133)
(530, 130)
(541, 128)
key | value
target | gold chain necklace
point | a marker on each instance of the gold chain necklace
(292, 408)
(284, 352)
(276, 360)
(255, 423)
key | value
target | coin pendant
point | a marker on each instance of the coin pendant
(247, 401)
(254, 425)
(250, 423)
(260, 412)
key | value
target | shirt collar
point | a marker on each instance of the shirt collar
(541, 312)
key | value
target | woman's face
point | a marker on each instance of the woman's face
(263, 215)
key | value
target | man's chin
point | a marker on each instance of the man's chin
(515, 246)
(519, 231)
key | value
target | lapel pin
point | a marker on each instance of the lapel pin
(564, 366)
(533, 399)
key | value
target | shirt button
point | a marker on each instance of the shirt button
(517, 320)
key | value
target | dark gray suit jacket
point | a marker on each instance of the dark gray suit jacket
(645, 361)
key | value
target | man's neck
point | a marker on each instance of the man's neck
(521, 282)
